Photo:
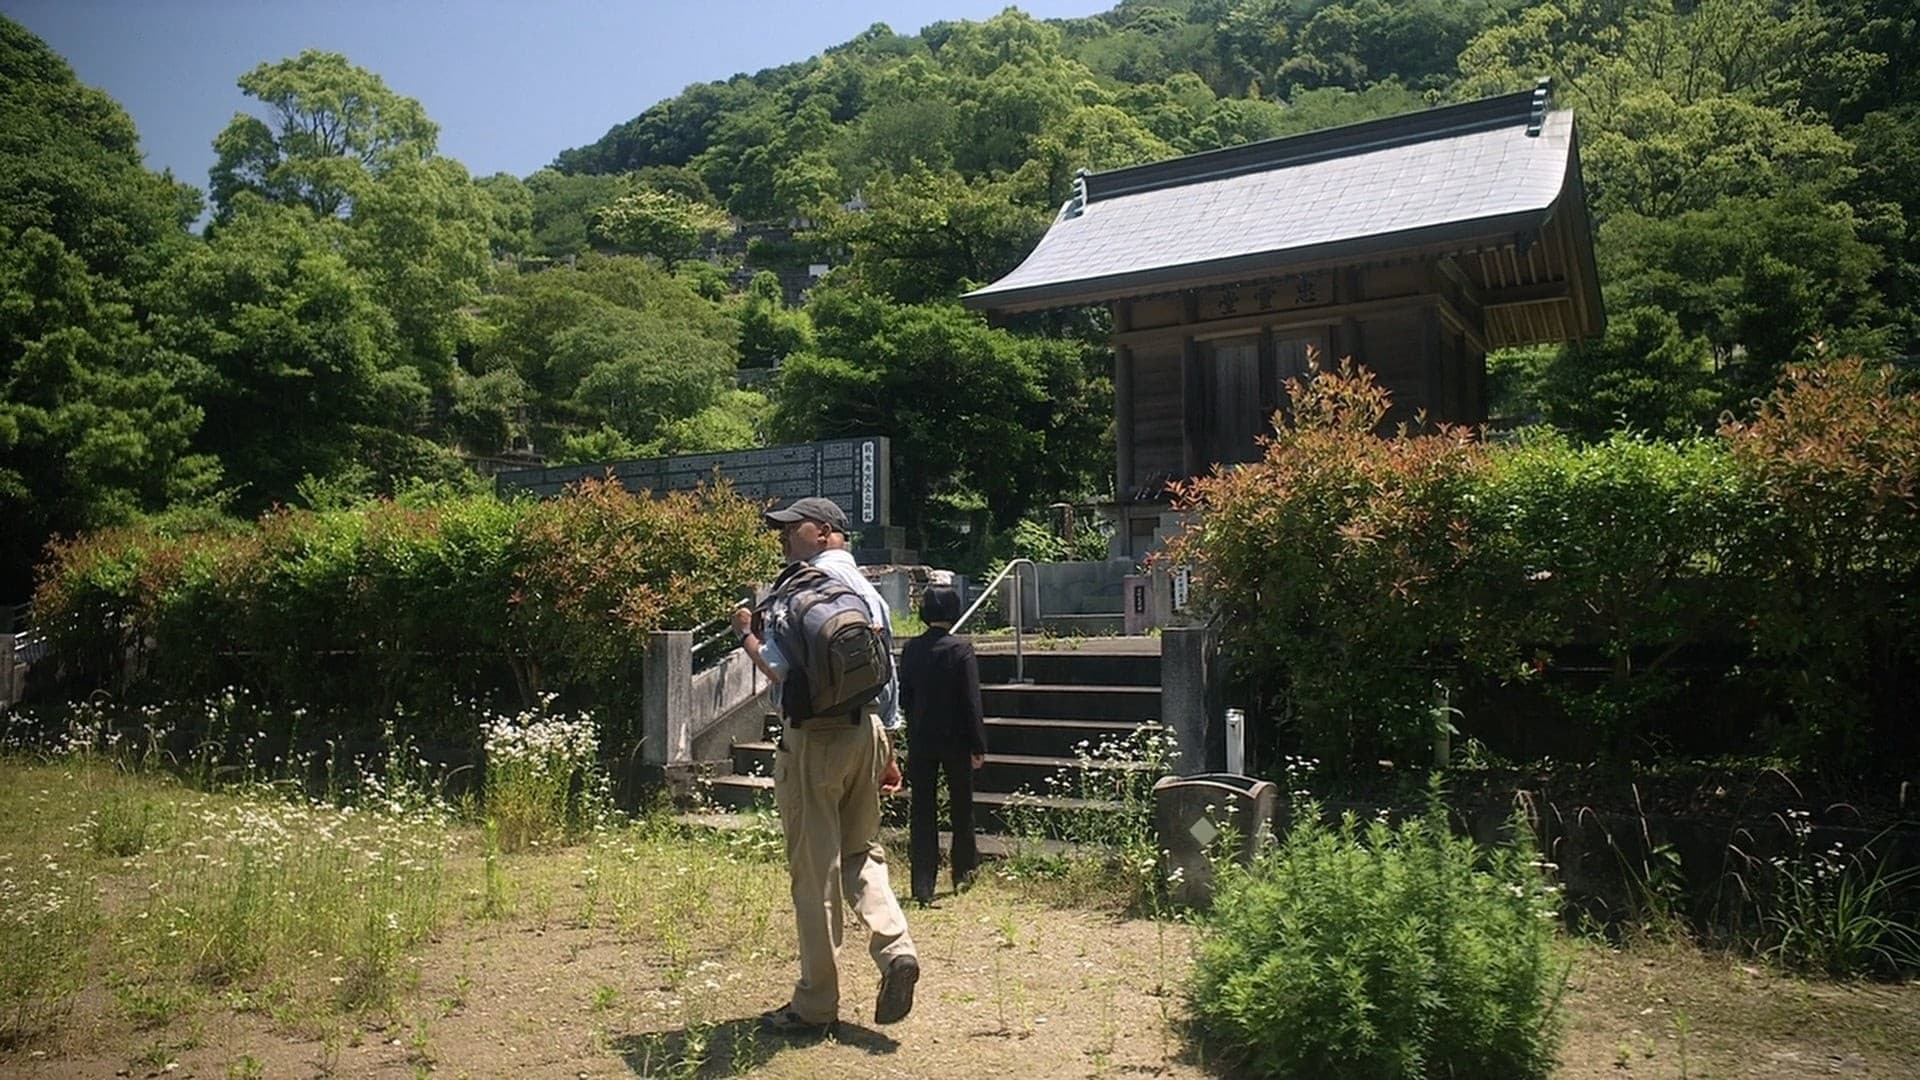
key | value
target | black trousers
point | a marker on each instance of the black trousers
(923, 773)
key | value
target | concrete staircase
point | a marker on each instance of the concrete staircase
(1099, 689)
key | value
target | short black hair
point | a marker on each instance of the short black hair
(940, 604)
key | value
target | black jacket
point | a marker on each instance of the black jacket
(940, 693)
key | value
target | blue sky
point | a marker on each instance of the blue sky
(510, 84)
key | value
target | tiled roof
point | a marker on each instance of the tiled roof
(1497, 162)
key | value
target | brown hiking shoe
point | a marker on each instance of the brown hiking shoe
(784, 1021)
(896, 990)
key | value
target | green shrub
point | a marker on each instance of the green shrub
(1339, 560)
(1381, 951)
(1033, 540)
(1834, 551)
(401, 605)
(1779, 557)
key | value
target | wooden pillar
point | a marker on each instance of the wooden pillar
(1123, 479)
(1269, 381)
(1432, 350)
(1193, 393)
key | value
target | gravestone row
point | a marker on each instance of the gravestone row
(856, 473)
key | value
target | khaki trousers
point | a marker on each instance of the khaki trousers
(826, 783)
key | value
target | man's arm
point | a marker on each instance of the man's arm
(743, 626)
(890, 781)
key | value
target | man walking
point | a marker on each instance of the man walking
(828, 773)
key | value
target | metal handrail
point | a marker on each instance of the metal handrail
(716, 631)
(707, 634)
(1019, 634)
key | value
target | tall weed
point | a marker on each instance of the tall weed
(1836, 911)
(543, 781)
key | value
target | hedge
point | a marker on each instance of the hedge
(1773, 567)
(395, 606)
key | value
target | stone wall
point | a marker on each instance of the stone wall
(1077, 588)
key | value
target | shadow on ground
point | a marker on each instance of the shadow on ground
(730, 1047)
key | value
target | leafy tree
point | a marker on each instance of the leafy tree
(672, 179)
(564, 207)
(640, 391)
(1311, 110)
(673, 132)
(1887, 154)
(334, 126)
(96, 419)
(973, 412)
(929, 236)
(303, 355)
(1238, 120)
(509, 209)
(738, 421)
(603, 443)
(1646, 375)
(1759, 278)
(768, 331)
(96, 423)
(666, 226)
(1096, 137)
(343, 145)
(420, 236)
(897, 136)
(1253, 40)
(1659, 156)
(1328, 52)
(485, 410)
(667, 353)
(741, 160)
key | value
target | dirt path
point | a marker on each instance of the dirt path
(647, 953)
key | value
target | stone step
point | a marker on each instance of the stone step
(989, 807)
(1046, 737)
(1034, 772)
(1085, 668)
(1002, 772)
(1068, 701)
(738, 792)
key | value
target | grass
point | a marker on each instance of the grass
(244, 934)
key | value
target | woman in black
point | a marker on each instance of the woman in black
(940, 693)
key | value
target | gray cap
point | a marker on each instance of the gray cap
(812, 508)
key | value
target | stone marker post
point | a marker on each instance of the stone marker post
(666, 699)
(1190, 698)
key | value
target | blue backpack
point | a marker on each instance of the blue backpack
(837, 661)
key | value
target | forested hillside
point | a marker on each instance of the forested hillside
(361, 313)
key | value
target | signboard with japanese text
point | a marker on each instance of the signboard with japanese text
(1291, 292)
